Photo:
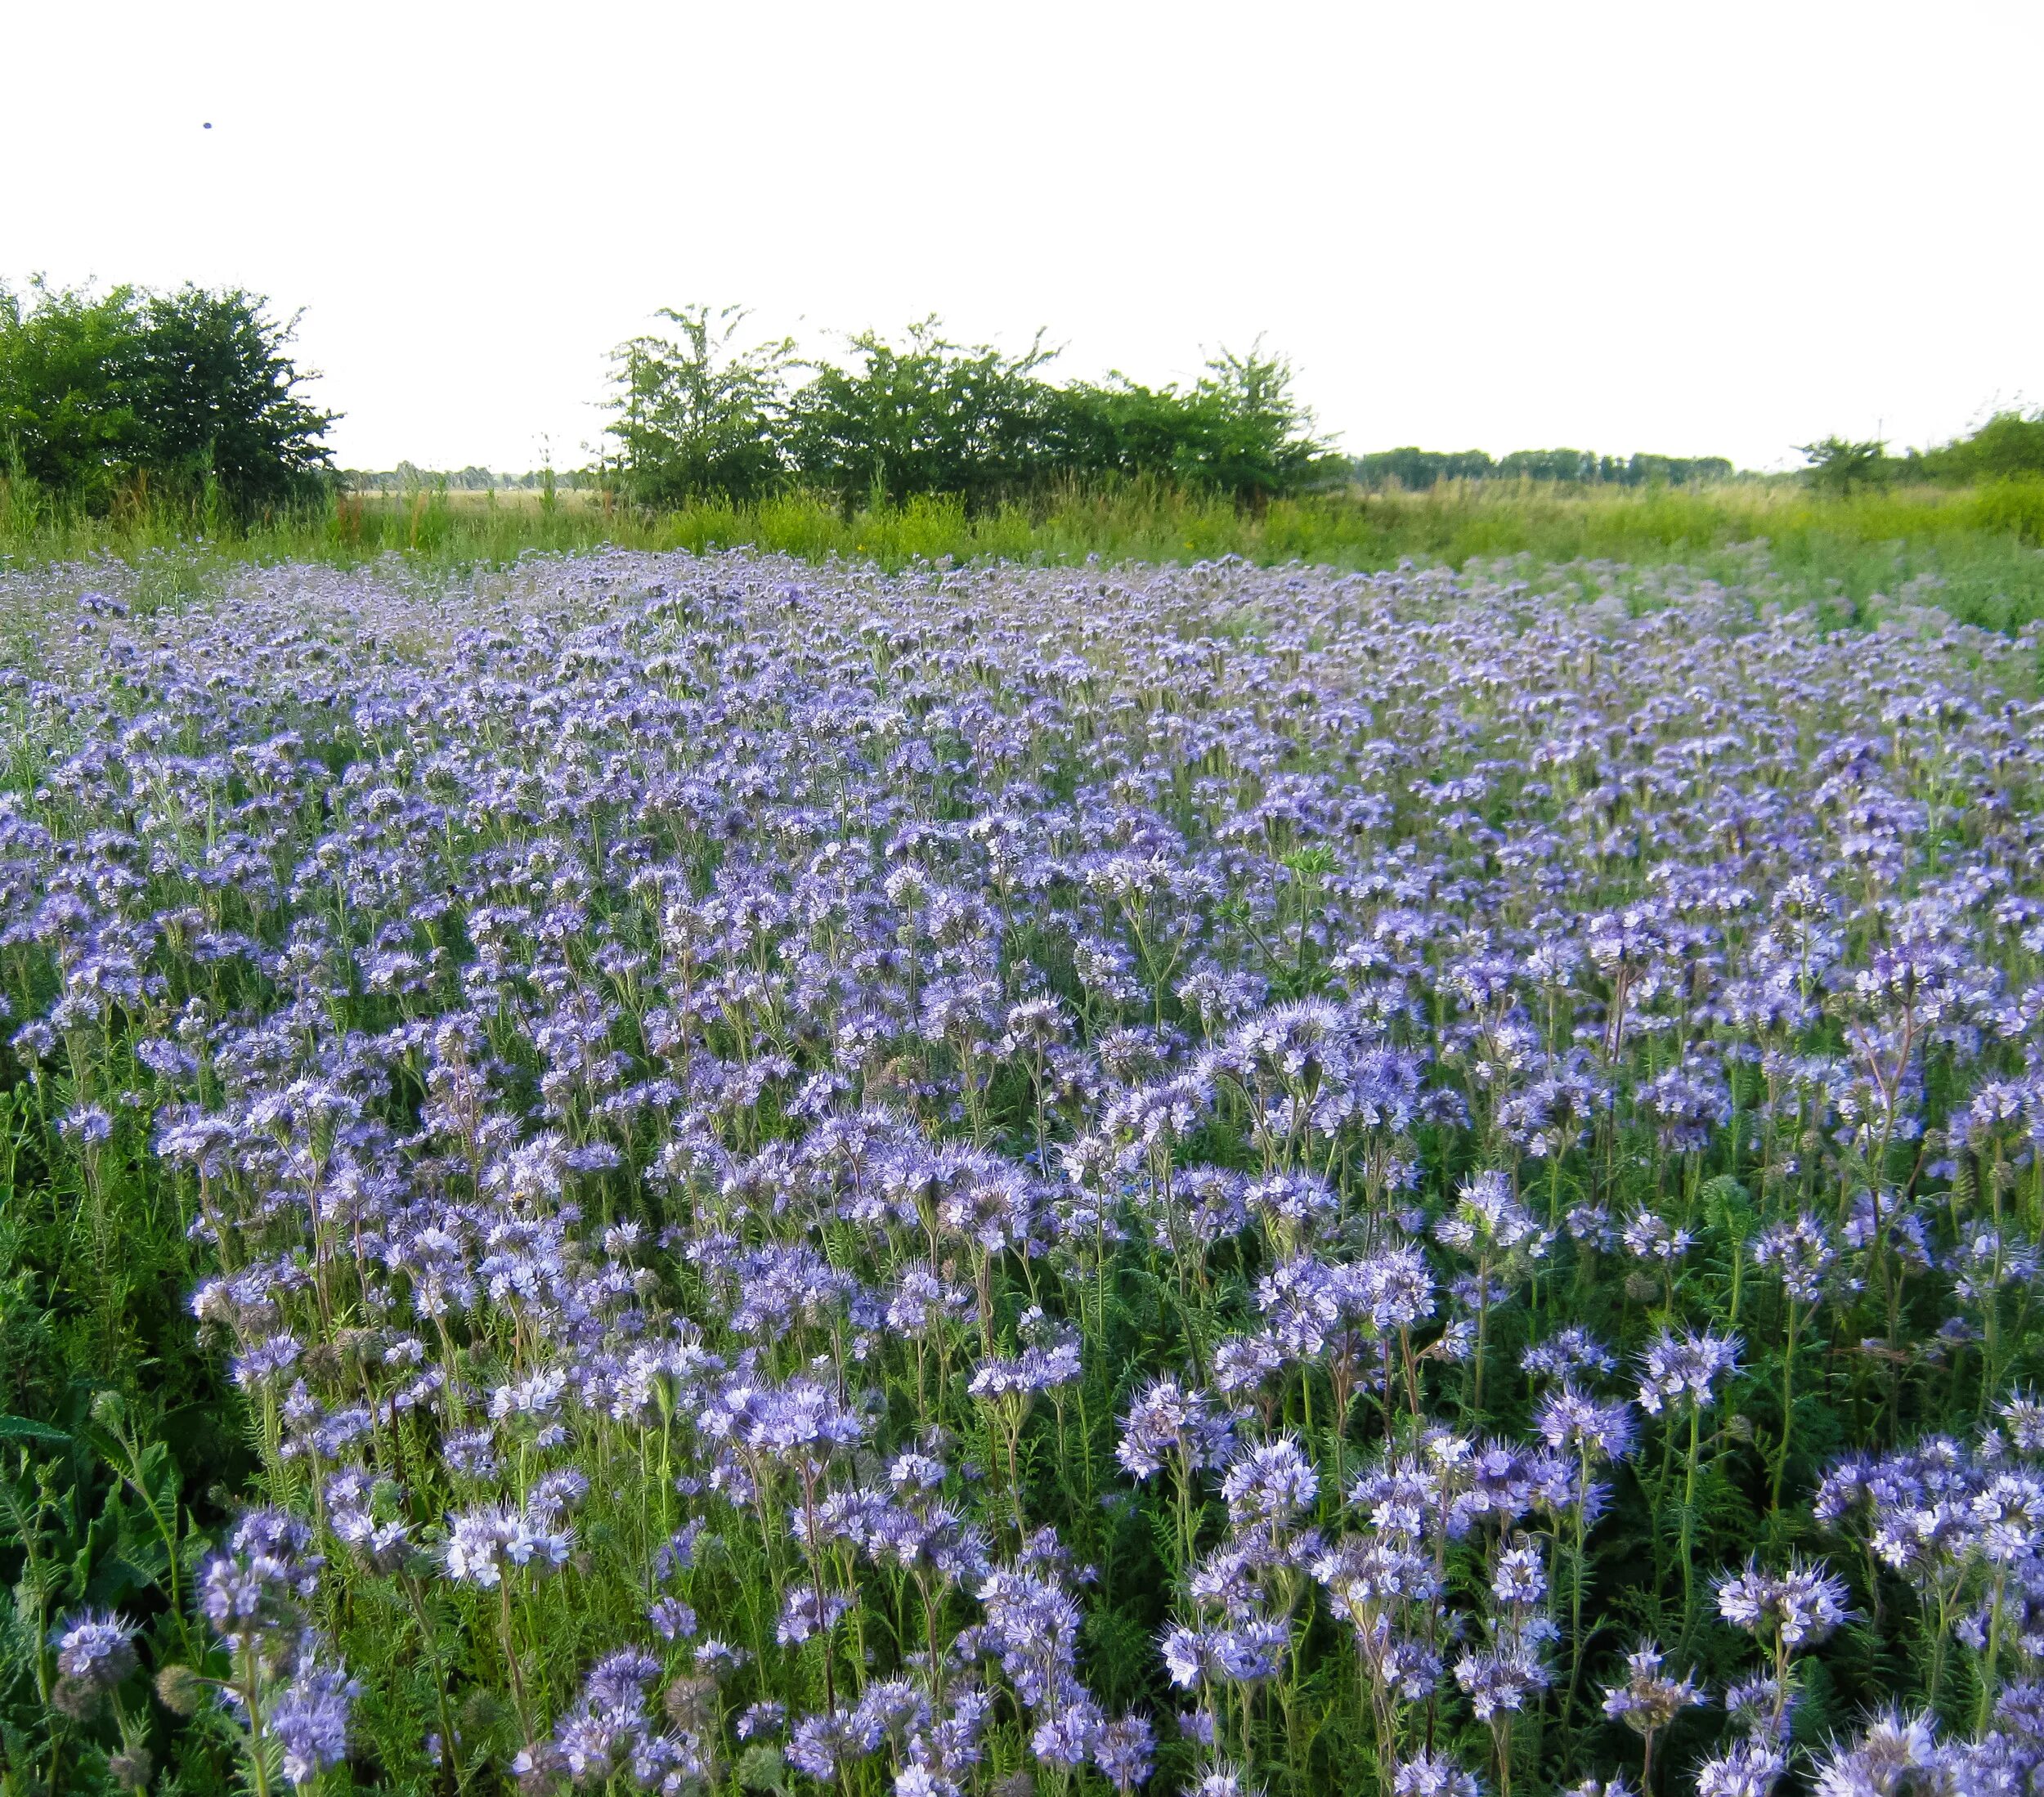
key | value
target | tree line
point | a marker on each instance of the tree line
(1418, 468)
(699, 413)
(2009, 447)
(193, 397)
(409, 477)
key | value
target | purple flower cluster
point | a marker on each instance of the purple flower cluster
(880, 1180)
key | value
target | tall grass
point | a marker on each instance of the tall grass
(1975, 551)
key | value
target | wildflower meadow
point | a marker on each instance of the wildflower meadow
(702, 1174)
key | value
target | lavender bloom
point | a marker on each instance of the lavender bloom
(1521, 1576)
(671, 1619)
(760, 1719)
(1649, 1700)
(1801, 1605)
(1751, 1769)
(483, 1544)
(1650, 1238)
(1432, 1775)
(309, 1718)
(1488, 1218)
(804, 1612)
(252, 1593)
(1169, 1421)
(1124, 1750)
(770, 1085)
(88, 1125)
(1568, 1353)
(1269, 1484)
(1033, 1627)
(1883, 1758)
(1589, 1431)
(1801, 1252)
(1496, 1683)
(1396, 1289)
(1683, 1370)
(1761, 1708)
(97, 1647)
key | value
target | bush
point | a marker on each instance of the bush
(926, 418)
(2009, 447)
(698, 420)
(1239, 431)
(190, 396)
(1838, 467)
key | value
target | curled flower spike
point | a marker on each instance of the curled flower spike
(1799, 1607)
(1683, 1370)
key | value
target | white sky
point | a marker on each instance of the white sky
(1692, 228)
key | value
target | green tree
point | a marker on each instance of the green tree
(697, 417)
(2009, 447)
(1838, 467)
(925, 416)
(216, 394)
(67, 363)
(192, 393)
(1255, 441)
(1416, 469)
(1237, 431)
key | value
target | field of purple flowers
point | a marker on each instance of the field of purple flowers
(710, 1175)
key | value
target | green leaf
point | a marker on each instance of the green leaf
(121, 1575)
(1725, 1202)
(22, 1428)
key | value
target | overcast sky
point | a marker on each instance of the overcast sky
(1691, 228)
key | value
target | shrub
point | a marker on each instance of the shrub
(192, 394)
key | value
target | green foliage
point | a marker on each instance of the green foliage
(71, 1535)
(217, 393)
(924, 417)
(2005, 453)
(1838, 467)
(1239, 431)
(1971, 552)
(2009, 447)
(697, 417)
(761, 1768)
(67, 365)
(187, 398)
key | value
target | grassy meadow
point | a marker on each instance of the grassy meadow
(1975, 551)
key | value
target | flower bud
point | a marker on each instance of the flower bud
(181, 1691)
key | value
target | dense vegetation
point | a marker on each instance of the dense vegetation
(187, 398)
(1972, 551)
(704, 1175)
(141, 421)
(2008, 447)
(701, 416)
